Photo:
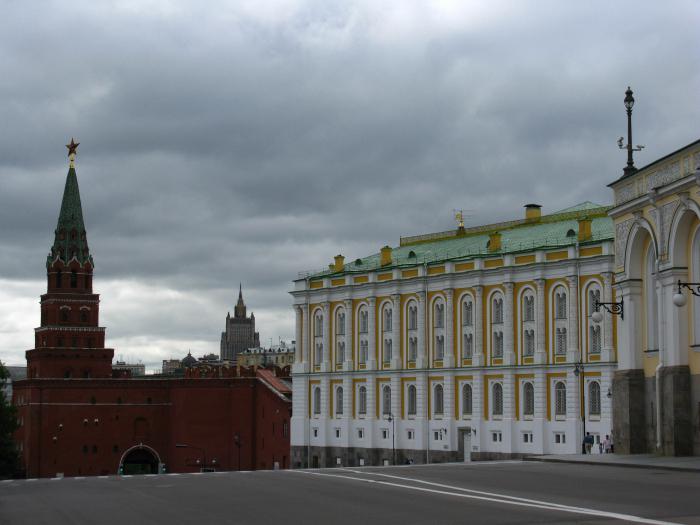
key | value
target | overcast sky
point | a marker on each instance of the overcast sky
(249, 141)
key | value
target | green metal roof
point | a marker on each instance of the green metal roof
(559, 229)
(70, 237)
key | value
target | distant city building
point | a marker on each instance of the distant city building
(15, 374)
(240, 331)
(136, 369)
(170, 366)
(281, 355)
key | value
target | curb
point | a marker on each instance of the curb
(648, 466)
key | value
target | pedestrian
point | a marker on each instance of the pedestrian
(607, 444)
(588, 442)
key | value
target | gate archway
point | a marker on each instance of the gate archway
(139, 459)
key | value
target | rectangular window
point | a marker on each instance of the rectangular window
(315, 432)
(497, 437)
(360, 433)
(411, 434)
(385, 433)
(527, 437)
(436, 435)
(560, 438)
(337, 432)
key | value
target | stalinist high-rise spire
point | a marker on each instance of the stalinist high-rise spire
(240, 331)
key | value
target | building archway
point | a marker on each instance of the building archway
(139, 459)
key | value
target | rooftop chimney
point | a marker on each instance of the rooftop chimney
(584, 229)
(494, 244)
(533, 212)
(385, 256)
(339, 265)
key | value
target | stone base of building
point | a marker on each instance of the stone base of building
(328, 457)
(635, 412)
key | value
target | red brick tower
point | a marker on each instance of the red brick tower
(69, 342)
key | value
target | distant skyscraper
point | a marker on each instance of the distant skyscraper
(240, 331)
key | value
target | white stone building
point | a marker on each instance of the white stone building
(461, 339)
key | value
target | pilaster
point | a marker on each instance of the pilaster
(508, 347)
(541, 347)
(449, 357)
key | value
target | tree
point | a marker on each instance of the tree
(8, 425)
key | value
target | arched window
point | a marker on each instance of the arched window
(387, 319)
(339, 401)
(528, 399)
(467, 346)
(439, 406)
(439, 315)
(594, 399)
(529, 308)
(318, 325)
(498, 344)
(593, 299)
(386, 400)
(561, 341)
(83, 316)
(560, 304)
(64, 314)
(560, 399)
(467, 313)
(439, 347)
(529, 342)
(497, 399)
(340, 323)
(412, 317)
(340, 352)
(362, 408)
(595, 343)
(497, 313)
(412, 349)
(364, 321)
(467, 400)
(317, 400)
(364, 351)
(412, 400)
(387, 350)
(318, 354)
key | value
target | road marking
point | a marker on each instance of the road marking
(521, 502)
(56, 479)
(103, 477)
(81, 477)
(173, 474)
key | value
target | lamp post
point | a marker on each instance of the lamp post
(204, 453)
(237, 442)
(611, 307)
(579, 372)
(393, 438)
(629, 104)
(679, 298)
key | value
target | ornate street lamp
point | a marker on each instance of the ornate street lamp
(611, 307)
(679, 298)
(629, 104)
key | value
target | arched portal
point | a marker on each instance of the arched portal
(140, 459)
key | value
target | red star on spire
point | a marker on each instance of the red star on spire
(72, 147)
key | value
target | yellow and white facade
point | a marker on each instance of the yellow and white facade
(465, 340)
(657, 236)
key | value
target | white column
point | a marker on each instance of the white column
(396, 331)
(541, 350)
(347, 409)
(607, 351)
(297, 334)
(573, 409)
(372, 334)
(572, 348)
(325, 410)
(477, 405)
(421, 357)
(508, 323)
(396, 400)
(674, 333)
(300, 412)
(370, 417)
(422, 423)
(448, 391)
(478, 352)
(326, 363)
(542, 440)
(449, 358)
(348, 365)
(629, 329)
(306, 349)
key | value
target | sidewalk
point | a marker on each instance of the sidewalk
(687, 463)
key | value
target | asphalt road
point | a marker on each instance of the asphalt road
(495, 492)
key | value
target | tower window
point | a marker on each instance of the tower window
(73, 279)
(58, 279)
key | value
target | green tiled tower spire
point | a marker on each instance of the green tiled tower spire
(70, 238)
